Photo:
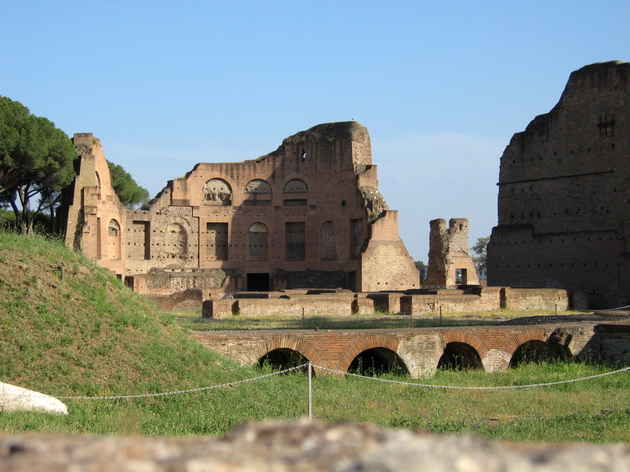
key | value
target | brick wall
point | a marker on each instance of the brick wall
(563, 193)
(309, 207)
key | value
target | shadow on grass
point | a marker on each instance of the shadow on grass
(325, 323)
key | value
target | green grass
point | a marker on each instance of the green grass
(87, 335)
(592, 411)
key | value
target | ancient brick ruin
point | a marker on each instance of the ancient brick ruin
(450, 263)
(306, 215)
(564, 193)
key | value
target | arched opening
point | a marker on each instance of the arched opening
(257, 186)
(258, 193)
(327, 244)
(534, 351)
(217, 192)
(258, 241)
(295, 186)
(282, 358)
(459, 356)
(113, 239)
(377, 361)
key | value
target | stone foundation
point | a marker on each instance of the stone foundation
(346, 303)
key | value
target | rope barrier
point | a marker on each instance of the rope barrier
(453, 387)
(179, 392)
(397, 382)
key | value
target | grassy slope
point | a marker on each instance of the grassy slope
(84, 333)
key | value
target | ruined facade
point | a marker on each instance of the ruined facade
(306, 215)
(450, 263)
(564, 193)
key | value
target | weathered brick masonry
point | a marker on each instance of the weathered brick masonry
(564, 198)
(471, 299)
(421, 349)
(306, 215)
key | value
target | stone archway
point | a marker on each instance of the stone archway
(459, 356)
(376, 361)
(381, 348)
(283, 348)
(536, 352)
(283, 358)
(462, 350)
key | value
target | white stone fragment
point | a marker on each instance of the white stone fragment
(14, 398)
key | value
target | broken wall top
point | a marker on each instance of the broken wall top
(339, 152)
(554, 176)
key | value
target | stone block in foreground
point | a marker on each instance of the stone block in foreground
(303, 447)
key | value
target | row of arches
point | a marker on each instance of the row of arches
(219, 191)
(381, 360)
(176, 240)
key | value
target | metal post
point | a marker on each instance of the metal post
(310, 391)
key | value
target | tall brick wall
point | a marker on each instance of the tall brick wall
(563, 193)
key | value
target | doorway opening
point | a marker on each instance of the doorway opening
(258, 282)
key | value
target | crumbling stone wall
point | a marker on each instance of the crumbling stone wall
(308, 214)
(563, 193)
(450, 263)
(385, 262)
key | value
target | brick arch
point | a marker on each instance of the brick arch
(279, 185)
(466, 337)
(284, 342)
(531, 334)
(365, 343)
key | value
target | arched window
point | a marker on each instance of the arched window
(257, 186)
(295, 186)
(327, 244)
(217, 192)
(258, 193)
(113, 239)
(113, 228)
(258, 241)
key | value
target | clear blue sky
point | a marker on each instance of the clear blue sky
(441, 86)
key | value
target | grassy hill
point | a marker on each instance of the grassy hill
(70, 328)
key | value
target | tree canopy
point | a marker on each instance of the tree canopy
(36, 158)
(128, 191)
(422, 267)
(481, 249)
